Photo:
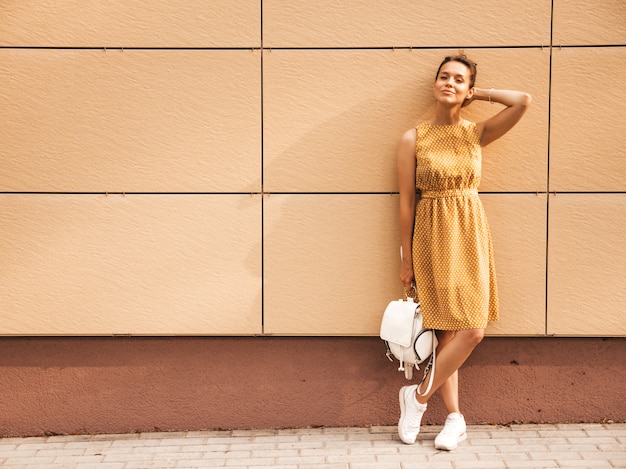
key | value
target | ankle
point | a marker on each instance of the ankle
(421, 399)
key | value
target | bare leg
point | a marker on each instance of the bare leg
(449, 390)
(450, 357)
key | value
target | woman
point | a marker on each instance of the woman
(447, 234)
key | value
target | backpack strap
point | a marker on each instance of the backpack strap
(431, 364)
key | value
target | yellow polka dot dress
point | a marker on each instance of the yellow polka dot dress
(452, 251)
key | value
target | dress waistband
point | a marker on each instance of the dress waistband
(449, 193)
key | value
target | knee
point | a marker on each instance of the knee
(474, 337)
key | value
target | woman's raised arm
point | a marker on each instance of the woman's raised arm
(516, 103)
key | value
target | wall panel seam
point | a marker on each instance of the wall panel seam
(409, 48)
(262, 118)
(269, 193)
(122, 49)
(338, 48)
(285, 48)
(127, 193)
(547, 265)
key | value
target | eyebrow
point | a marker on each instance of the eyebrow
(457, 75)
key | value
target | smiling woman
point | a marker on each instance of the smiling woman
(451, 265)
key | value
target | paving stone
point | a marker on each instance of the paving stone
(488, 446)
(479, 464)
(568, 463)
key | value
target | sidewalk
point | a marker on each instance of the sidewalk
(487, 446)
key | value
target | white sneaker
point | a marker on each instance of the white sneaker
(454, 431)
(411, 413)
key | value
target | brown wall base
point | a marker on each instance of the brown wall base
(119, 385)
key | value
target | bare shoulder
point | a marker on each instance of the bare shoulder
(410, 136)
(406, 150)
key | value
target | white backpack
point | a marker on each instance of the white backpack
(407, 340)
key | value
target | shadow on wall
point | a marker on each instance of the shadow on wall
(329, 159)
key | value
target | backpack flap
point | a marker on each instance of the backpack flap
(397, 324)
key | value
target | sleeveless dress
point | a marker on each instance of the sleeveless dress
(452, 250)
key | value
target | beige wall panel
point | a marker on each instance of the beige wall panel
(588, 142)
(331, 263)
(144, 121)
(518, 228)
(333, 119)
(586, 273)
(372, 23)
(140, 23)
(158, 265)
(578, 22)
(518, 161)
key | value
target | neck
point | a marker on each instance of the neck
(447, 116)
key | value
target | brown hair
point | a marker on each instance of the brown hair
(462, 58)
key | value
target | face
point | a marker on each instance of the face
(452, 85)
